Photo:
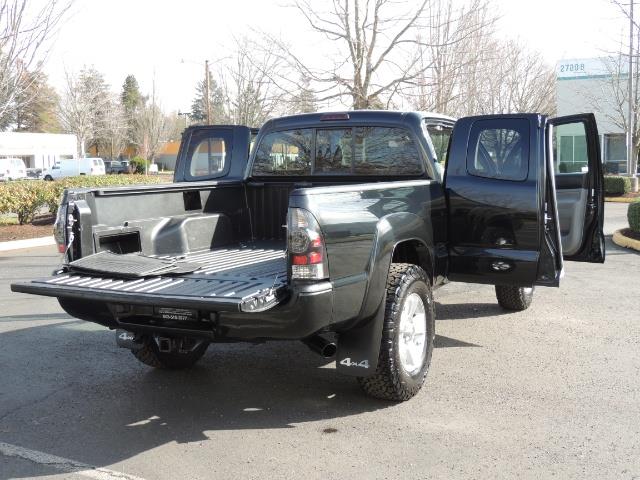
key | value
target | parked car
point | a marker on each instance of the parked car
(117, 166)
(12, 169)
(74, 167)
(34, 173)
(334, 230)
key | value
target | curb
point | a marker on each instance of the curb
(620, 200)
(27, 243)
(622, 241)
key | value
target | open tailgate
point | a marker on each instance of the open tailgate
(248, 279)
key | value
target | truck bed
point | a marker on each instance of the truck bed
(229, 279)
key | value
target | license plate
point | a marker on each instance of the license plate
(176, 314)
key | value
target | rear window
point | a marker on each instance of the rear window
(284, 153)
(338, 151)
(97, 162)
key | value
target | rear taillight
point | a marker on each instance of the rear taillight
(305, 246)
(59, 227)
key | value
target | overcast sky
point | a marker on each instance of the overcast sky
(147, 38)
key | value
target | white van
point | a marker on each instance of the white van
(91, 166)
(12, 169)
(74, 167)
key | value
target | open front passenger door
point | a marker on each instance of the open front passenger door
(574, 149)
(509, 222)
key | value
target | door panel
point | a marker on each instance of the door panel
(494, 184)
(574, 151)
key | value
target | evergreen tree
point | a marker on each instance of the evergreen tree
(36, 106)
(304, 101)
(216, 103)
(131, 100)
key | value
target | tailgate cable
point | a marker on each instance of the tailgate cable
(71, 235)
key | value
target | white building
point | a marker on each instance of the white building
(38, 150)
(594, 85)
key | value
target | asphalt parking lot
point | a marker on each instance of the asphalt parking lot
(550, 392)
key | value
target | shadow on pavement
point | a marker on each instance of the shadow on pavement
(612, 249)
(462, 311)
(73, 393)
(447, 342)
(67, 390)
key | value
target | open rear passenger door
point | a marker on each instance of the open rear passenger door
(505, 226)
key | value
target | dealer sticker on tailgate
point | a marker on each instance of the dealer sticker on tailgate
(176, 314)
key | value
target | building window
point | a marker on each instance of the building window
(615, 153)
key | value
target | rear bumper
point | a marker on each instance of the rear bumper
(307, 310)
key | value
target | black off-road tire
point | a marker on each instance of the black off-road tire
(150, 355)
(391, 381)
(513, 298)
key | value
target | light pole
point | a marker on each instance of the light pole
(630, 105)
(206, 91)
(207, 87)
(186, 116)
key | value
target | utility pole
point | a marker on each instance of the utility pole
(206, 91)
(186, 118)
(630, 126)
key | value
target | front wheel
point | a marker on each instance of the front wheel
(48, 178)
(513, 298)
(407, 337)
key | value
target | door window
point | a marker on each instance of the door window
(209, 155)
(499, 149)
(569, 143)
(440, 136)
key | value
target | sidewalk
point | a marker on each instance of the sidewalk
(27, 243)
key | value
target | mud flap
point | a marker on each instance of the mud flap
(359, 348)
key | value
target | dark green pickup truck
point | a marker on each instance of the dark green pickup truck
(334, 229)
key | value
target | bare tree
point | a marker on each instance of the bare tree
(24, 37)
(250, 82)
(467, 70)
(377, 55)
(114, 127)
(611, 99)
(520, 81)
(84, 97)
(452, 50)
(150, 128)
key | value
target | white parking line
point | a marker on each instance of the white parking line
(64, 464)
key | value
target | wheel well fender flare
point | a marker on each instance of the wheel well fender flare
(391, 231)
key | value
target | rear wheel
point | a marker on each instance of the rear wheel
(407, 337)
(184, 353)
(48, 178)
(513, 298)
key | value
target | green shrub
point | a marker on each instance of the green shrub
(633, 215)
(614, 185)
(27, 198)
(139, 164)
(24, 199)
